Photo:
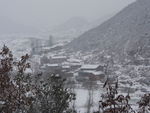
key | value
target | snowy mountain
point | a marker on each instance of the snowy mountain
(124, 32)
(71, 28)
(75, 26)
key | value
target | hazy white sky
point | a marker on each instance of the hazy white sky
(46, 13)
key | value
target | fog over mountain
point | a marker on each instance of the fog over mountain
(126, 31)
(19, 15)
(76, 26)
(70, 28)
(75, 56)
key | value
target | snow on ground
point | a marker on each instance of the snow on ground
(19, 46)
(82, 96)
(126, 75)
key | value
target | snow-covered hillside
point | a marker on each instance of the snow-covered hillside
(124, 32)
(74, 27)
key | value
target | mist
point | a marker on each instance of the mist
(74, 56)
(44, 14)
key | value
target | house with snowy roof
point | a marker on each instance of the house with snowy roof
(95, 67)
(63, 71)
(51, 67)
(92, 71)
(58, 59)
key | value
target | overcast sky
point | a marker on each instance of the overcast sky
(47, 13)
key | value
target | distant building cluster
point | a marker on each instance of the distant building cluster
(68, 67)
(63, 64)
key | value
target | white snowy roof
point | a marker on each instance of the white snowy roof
(58, 57)
(89, 66)
(74, 60)
(72, 63)
(65, 66)
(52, 65)
(94, 72)
(49, 65)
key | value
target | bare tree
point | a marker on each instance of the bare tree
(112, 102)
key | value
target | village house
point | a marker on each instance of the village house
(94, 67)
(57, 59)
(95, 72)
(63, 71)
(75, 66)
(71, 65)
(52, 60)
(66, 68)
(51, 68)
(74, 63)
